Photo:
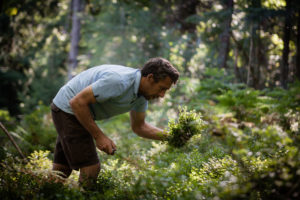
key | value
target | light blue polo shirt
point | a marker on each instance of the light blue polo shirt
(115, 88)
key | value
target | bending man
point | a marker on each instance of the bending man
(100, 93)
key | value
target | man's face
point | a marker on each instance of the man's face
(158, 89)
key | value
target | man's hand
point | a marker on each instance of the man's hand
(105, 144)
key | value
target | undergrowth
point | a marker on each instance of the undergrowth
(248, 148)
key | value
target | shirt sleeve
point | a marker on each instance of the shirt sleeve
(108, 86)
(141, 105)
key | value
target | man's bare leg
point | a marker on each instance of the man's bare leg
(66, 170)
(88, 175)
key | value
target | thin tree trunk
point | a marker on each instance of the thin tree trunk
(253, 67)
(286, 48)
(253, 78)
(236, 67)
(12, 140)
(187, 8)
(189, 52)
(298, 47)
(243, 71)
(75, 36)
(225, 36)
(250, 65)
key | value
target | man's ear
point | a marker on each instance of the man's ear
(150, 77)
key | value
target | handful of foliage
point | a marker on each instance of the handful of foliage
(188, 125)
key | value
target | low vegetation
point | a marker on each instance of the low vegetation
(227, 141)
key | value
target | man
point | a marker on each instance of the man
(99, 93)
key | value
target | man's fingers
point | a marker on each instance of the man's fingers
(109, 149)
(114, 146)
(107, 146)
(103, 148)
(114, 150)
(100, 147)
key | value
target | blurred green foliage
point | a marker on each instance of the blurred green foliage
(38, 130)
(34, 132)
(35, 41)
(33, 52)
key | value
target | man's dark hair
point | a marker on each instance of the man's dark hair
(160, 68)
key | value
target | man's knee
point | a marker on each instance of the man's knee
(91, 171)
(88, 176)
(66, 170)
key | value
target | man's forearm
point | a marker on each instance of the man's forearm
(151, 132)
(84, 116)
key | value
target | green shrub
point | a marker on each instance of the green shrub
(37, 131)
(246, 104)
(287, 104)
(189, 124)
(35, 180)
(285, 100)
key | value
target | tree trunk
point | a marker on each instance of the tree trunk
(251, 58)
(298, 47)
(185, 9)
(286, 48)
(77, 6)
(253, 67)
(225, 36)
(236, 67)
(253, 77)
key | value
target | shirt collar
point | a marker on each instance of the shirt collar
(137, 82)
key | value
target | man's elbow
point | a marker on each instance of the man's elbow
(134, 129)
(137, 130)
(74, 103)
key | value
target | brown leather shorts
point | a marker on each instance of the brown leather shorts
(75, 147)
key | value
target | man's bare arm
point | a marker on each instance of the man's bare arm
(80, 106)
(144, 129)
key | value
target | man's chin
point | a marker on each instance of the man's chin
(153, 98)
(149, 98)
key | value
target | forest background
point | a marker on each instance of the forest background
(240, 68)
